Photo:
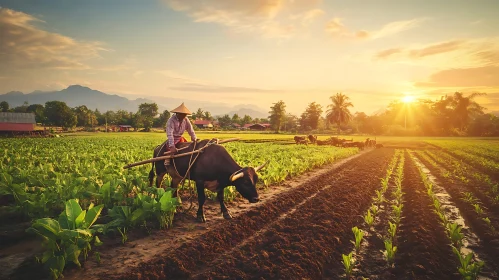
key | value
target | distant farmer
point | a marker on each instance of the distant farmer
(177, 125)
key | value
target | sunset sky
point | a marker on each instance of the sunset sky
(254, 51)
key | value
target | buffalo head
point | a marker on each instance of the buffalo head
(245, 182)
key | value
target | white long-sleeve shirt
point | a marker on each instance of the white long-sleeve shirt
(175, 129)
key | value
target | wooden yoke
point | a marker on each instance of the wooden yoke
(169, 156)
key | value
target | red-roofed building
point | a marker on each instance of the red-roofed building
(10, 121)
(259, 126)
(203, 123)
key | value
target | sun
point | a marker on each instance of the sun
(408, 99)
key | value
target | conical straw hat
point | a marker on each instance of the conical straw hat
(182, 110)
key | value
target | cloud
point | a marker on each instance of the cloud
(388, 52)
(337, 29)
(437, 49)
(193, 87)
(307, 17)
(269, 18)
(452, 54)
(487, 76)
(24, 45)
(395, 27)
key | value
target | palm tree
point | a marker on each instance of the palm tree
(338, 111)
(465, 108)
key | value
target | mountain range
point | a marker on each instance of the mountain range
(77, 95)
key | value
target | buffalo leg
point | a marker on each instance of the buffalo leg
(175, 180)
(159, 179)
(225, 211)
(201, 199)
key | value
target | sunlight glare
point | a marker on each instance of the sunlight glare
(408, 99)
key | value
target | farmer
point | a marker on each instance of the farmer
(177, 125)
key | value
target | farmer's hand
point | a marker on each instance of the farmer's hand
(173, 150)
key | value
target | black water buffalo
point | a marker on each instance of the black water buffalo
(214, 169)
(312, 138)
(300, 139)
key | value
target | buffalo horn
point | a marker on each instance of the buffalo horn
(262, 166)
(236, 176)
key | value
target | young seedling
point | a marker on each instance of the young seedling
(468, 197)
(436, 203)
(442, 217)
(397, 210)
(478, 210)
(392, 230)
(487, 221)
(379, 196)
(359, 234)
(389, 252)
(455, 234)
(97, 257)
(468, 269)
(368, 218)
(348, 262)
(384, 183)
(124, 236)
(374, 209)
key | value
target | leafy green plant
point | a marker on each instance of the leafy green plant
(374, 209)
(368, 218)
(389, 252)
(442, 217)
(455, 234)
(97, 257)
(478, 209)
(379, 197)
(392, 230)
(469, 269)
(124, 236)
(68, 237)
(348, 262)
(358, 234)
(468, 197)
(397, 211)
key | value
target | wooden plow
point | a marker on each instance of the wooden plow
(168, 155)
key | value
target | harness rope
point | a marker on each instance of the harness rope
(191, 163)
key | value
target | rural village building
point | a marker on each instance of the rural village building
(17, 122)
(259, 126)
(124, 127)
(203, 123)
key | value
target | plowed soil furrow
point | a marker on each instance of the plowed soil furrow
(372, 264)
(303, 240)
(300, 245)
(423, 246)
(489, 244)
(478, 190)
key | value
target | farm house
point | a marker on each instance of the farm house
(259, 126)
(17, 122)
(203, 124)
(124, 128)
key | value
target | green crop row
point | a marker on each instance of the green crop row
(469, 268)
(369, 218)
(40, 175)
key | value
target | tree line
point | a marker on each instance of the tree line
(58, 113)
(453, 115)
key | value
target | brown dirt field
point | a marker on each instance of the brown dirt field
(424, 251)
(293, 246)
(478, 189)
(371, 261)
(489, 245)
